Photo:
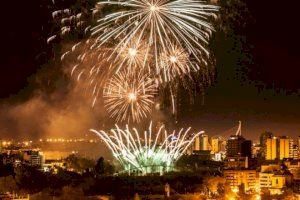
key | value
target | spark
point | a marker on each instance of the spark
(184, 23)
(129, 96)
(149, 152)
(162, 40)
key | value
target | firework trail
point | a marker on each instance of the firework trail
(148, 152)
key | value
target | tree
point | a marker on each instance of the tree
(103, 168)
(79, 164)
(99, 167)
(30, 179)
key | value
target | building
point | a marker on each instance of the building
(279, 148)
(236, 163)
(214, 142)
(237, 177)
(234, 145)
(197, 144)
(256, 150)
(246, 149)
(201, 143)
(271, 148)
(284, 147)
(203, 155)
(275, 183)
(53, 165)
(263, 140)
(295, 152)
(294, 167)
(204, 144)
(34, 157)
(237, 145)
(272, 178)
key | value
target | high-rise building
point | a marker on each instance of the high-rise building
(214, 142)
(292, 148)
(263, 140)
(279, 148)
(271, 148)
(246, 149)
(197, 144)
(284, 147)
(234, 145)
(295, 152)
(238, 146)
(204, 144)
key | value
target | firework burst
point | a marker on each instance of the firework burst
(148, 152)
(158, 23)
(129, 96)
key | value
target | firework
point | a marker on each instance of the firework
(175, 61)
(158, 24)
(162, 40)
(148, 152)
(129, 96)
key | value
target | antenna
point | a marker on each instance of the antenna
(239, 130)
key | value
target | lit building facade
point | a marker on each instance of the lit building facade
(263, 141)
(214, 141)
(284, 147)
(197, 144)
(271, 148)
(204, 144)
(275, 183)
(271, 178)
(234, 145)
(294, 167)
(34, 157)
(236, 163)
(237, 177)
(279, 148)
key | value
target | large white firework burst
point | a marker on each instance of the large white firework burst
(157, 23)
(147, 152)
(129, 96)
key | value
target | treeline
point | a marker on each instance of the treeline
(89, 178)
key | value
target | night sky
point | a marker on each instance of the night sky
(264, 93)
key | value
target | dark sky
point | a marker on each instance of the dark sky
(267, 97)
